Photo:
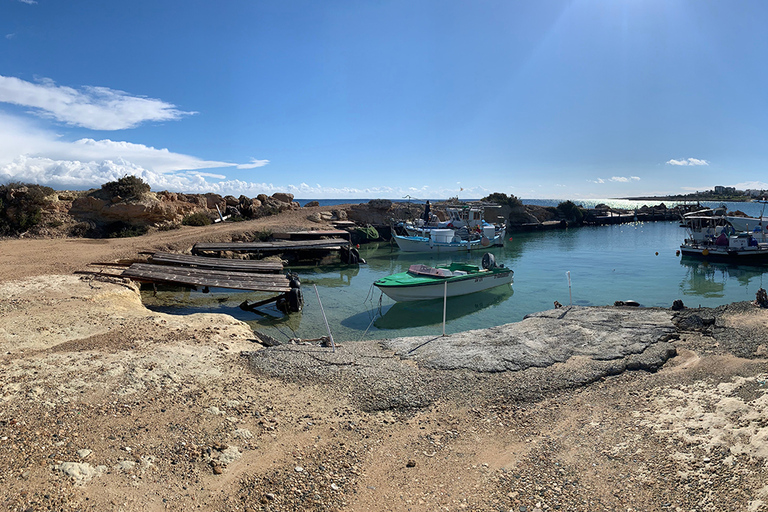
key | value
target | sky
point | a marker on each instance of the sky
(434, 99)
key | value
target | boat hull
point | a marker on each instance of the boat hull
(455, 286)
(726, 254)
(427, 244)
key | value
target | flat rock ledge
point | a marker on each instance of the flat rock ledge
(516, 361)
(549, 337)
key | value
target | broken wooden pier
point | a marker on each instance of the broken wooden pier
(348, 253)
(198, 271)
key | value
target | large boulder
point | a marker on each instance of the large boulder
(150, 210)
(283, 197)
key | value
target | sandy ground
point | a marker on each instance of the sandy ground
(105, 405)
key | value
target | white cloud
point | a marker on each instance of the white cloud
(29, 2)
(97, 108)
(615, 179)
(253, 164)
(689, 161)
(10, 36)
(74, 174)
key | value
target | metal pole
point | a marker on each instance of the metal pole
(570, 295)
(445, 302)
(324, 318)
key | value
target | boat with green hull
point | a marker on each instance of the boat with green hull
(422, 282)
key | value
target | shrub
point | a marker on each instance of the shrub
(197, 219)
(127, 187)
(503, 199)
(570, 211)
(123, 230)
(21, 206)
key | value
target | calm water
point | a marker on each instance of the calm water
(606, 264)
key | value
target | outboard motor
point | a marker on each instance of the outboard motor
(489, 261)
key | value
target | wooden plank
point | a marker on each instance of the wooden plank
(216, 263)
(271, 246)
(308, 235)
(211, 278)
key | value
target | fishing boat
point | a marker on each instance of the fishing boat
(470, 217)
(422, 282)
(713, 235)
(715, 238)
(446, 240)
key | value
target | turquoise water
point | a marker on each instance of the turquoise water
(606, 264)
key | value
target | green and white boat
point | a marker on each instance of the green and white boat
(422, 282)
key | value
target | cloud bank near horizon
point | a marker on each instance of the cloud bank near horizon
(67, 174)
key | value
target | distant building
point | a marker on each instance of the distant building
(721, 190)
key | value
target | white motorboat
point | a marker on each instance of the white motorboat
(446, 240)
(470, 217)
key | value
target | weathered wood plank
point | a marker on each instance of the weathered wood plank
(310, 235)
(211, 278)
(216, 263)
(282, 245)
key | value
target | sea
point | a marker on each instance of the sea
(585, 266)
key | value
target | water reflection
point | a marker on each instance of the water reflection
(404, 315)
(329, 277)
(709, 279)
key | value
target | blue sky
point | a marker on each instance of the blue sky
(365, 99)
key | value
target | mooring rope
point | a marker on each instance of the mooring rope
(375, 316)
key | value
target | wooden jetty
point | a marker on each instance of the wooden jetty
(196, 271)
(152, 273)
(269, 247)
(348, 253)
(311, 235)
(186, 260)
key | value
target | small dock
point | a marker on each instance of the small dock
(207, 278)
(312, 235)
(270, 247)
(224, 264)
(296, 248)
(199, 271)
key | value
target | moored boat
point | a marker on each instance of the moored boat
(446, 240)
(714, 238)
(469, 218)
(739, 247)
(422, 282)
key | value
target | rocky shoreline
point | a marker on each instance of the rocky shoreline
(109, 406)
